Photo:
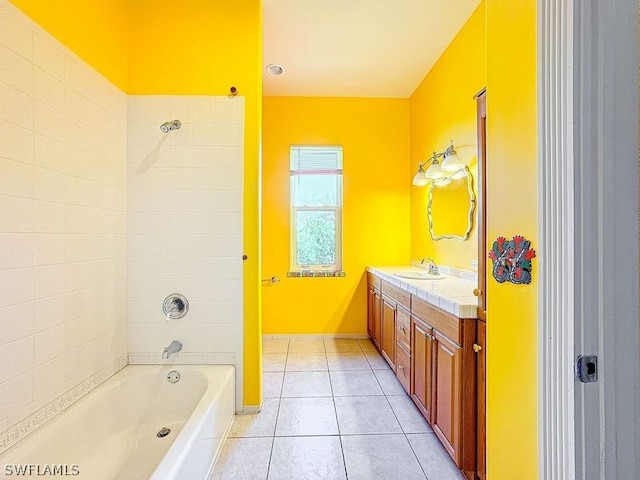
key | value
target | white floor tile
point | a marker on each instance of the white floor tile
(275, 345)
(306, 362)
(261, 424)
(334, 345)
(389, 383)
(434, 459)
(306, 384)
(306, 345)
(307, 458)
(303, 408)
(387, 457)
(272, 384)
(365, 415)
(245, 458)
(410, 418)
(273, 362)
(376, 361)
(347, 361)
(354, 383)
(367, 345)
(306, 416)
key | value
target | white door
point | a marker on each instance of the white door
(589, 300)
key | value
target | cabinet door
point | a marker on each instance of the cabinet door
(371, 297)
(482, 405)
(389, 332)
(448, 405)
(422, 368)
(403, 328)
(377, 319)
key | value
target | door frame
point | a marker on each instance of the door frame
(589, 229)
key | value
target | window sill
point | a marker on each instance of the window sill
(316, 274)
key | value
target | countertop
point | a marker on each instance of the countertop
(451, 294)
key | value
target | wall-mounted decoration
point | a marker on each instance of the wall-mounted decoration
(512, 260)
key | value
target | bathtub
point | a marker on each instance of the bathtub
(112, 433)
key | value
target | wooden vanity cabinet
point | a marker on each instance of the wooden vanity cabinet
(447, 342)
(422, 352)
(388, 343)
(374, 309)
(447, 378)
(431, 352)
(481, 436)
(403, 348)
(374, 315)
(395, 300)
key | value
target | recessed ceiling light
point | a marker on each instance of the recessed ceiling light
(275, 70)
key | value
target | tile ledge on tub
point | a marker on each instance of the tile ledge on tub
(21, 429)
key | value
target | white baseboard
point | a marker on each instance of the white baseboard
(250, 410)
(307, 336)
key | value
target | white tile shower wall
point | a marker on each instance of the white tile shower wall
(62, 219)
(184, 228)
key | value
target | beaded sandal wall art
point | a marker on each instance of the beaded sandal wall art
(512, 260)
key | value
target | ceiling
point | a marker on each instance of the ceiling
(357, 48)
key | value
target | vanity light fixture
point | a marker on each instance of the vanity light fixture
(441, 182)
(419, 180)
(436, 171)
(452, 161)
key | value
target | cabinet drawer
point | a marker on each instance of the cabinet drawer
(403, 362)
(397, 294)
(374, 281)
(444, 322)
(403, 328)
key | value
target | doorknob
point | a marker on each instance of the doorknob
(476, 292)
(272, 279)
(476, 347)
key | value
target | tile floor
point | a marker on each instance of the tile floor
(332, 410)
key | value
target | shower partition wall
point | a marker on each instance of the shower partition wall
(184, 229)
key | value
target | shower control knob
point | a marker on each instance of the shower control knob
(175, 306)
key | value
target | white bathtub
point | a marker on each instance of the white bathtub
(112, 432)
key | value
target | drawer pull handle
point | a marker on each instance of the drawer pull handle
(401, 328)
(401, 367)
(476, 292)
(476, 347)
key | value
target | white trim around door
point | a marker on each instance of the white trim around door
(588, 130)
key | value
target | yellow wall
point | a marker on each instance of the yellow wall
(96, 31)
(512, 203)
(375, 136)
(443, 109)
(187, 47)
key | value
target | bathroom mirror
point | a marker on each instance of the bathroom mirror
(451, 207)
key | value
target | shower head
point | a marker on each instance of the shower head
(168, 126)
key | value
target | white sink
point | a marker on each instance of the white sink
(419, 276)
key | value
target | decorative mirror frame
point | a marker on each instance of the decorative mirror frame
(472, 208)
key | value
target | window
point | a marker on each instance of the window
(316, 208)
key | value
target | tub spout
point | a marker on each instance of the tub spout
(174, 347)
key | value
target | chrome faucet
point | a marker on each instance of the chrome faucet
(432, 268)
(174, 347)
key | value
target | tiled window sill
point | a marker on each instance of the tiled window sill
(316, 274)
